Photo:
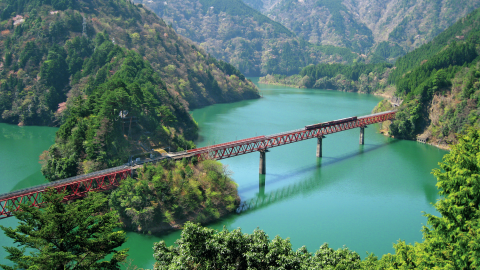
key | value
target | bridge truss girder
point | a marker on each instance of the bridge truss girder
(74, 190)
(261, 144)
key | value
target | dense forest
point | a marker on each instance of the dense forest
(359, 77)
(98, 132)
(439, 84)
(45, 46)
(232, 31)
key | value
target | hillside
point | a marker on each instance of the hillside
(115, 78)
(440, 84)
(253, 43)
(382, 29)
(326, 22)
(32, 29)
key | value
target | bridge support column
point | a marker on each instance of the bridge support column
(262, 168)
(319, 145)
(362, 135)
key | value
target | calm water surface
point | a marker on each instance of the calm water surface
(364, 197)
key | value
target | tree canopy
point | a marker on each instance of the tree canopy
(76, 235)
(205, 248)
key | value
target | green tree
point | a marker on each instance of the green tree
(452, 240)
(205, 248)
(66, 235)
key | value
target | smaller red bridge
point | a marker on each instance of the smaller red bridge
(78, 186)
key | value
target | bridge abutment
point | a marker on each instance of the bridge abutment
(319, 145)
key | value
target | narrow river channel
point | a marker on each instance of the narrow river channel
(362, 197)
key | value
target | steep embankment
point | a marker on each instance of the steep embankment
(38, 69)
(242, 36)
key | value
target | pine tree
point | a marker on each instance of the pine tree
(75, 235)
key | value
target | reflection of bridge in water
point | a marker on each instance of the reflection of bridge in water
(303, 187)
(79, 186)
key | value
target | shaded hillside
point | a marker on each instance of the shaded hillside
(232, 31)
(35, 37)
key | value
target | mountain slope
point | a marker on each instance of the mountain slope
(31, 28)
(440, 85)
(115, 78)
(326, 22)
(368, 25)
(240, 35)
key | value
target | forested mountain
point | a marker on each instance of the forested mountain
(386, 29)
(253, 43)
(46, 47)
(116, 78)
(440, 82)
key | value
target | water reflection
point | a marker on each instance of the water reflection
(316, 181)
(320, 162)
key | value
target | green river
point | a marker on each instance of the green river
(362, 197)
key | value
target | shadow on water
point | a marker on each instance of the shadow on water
(321, 162)
(301, 187)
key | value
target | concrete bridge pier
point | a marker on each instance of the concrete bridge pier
(319, 145)
(262, 168)
(362, 135)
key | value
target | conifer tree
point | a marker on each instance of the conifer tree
(76, 235)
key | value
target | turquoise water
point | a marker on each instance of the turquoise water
(364, 197)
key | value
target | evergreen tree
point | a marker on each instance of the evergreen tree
(66, 235)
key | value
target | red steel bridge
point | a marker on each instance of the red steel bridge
(78, 186)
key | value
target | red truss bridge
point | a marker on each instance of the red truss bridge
(79, 186)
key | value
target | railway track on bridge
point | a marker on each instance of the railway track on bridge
(78, 186)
